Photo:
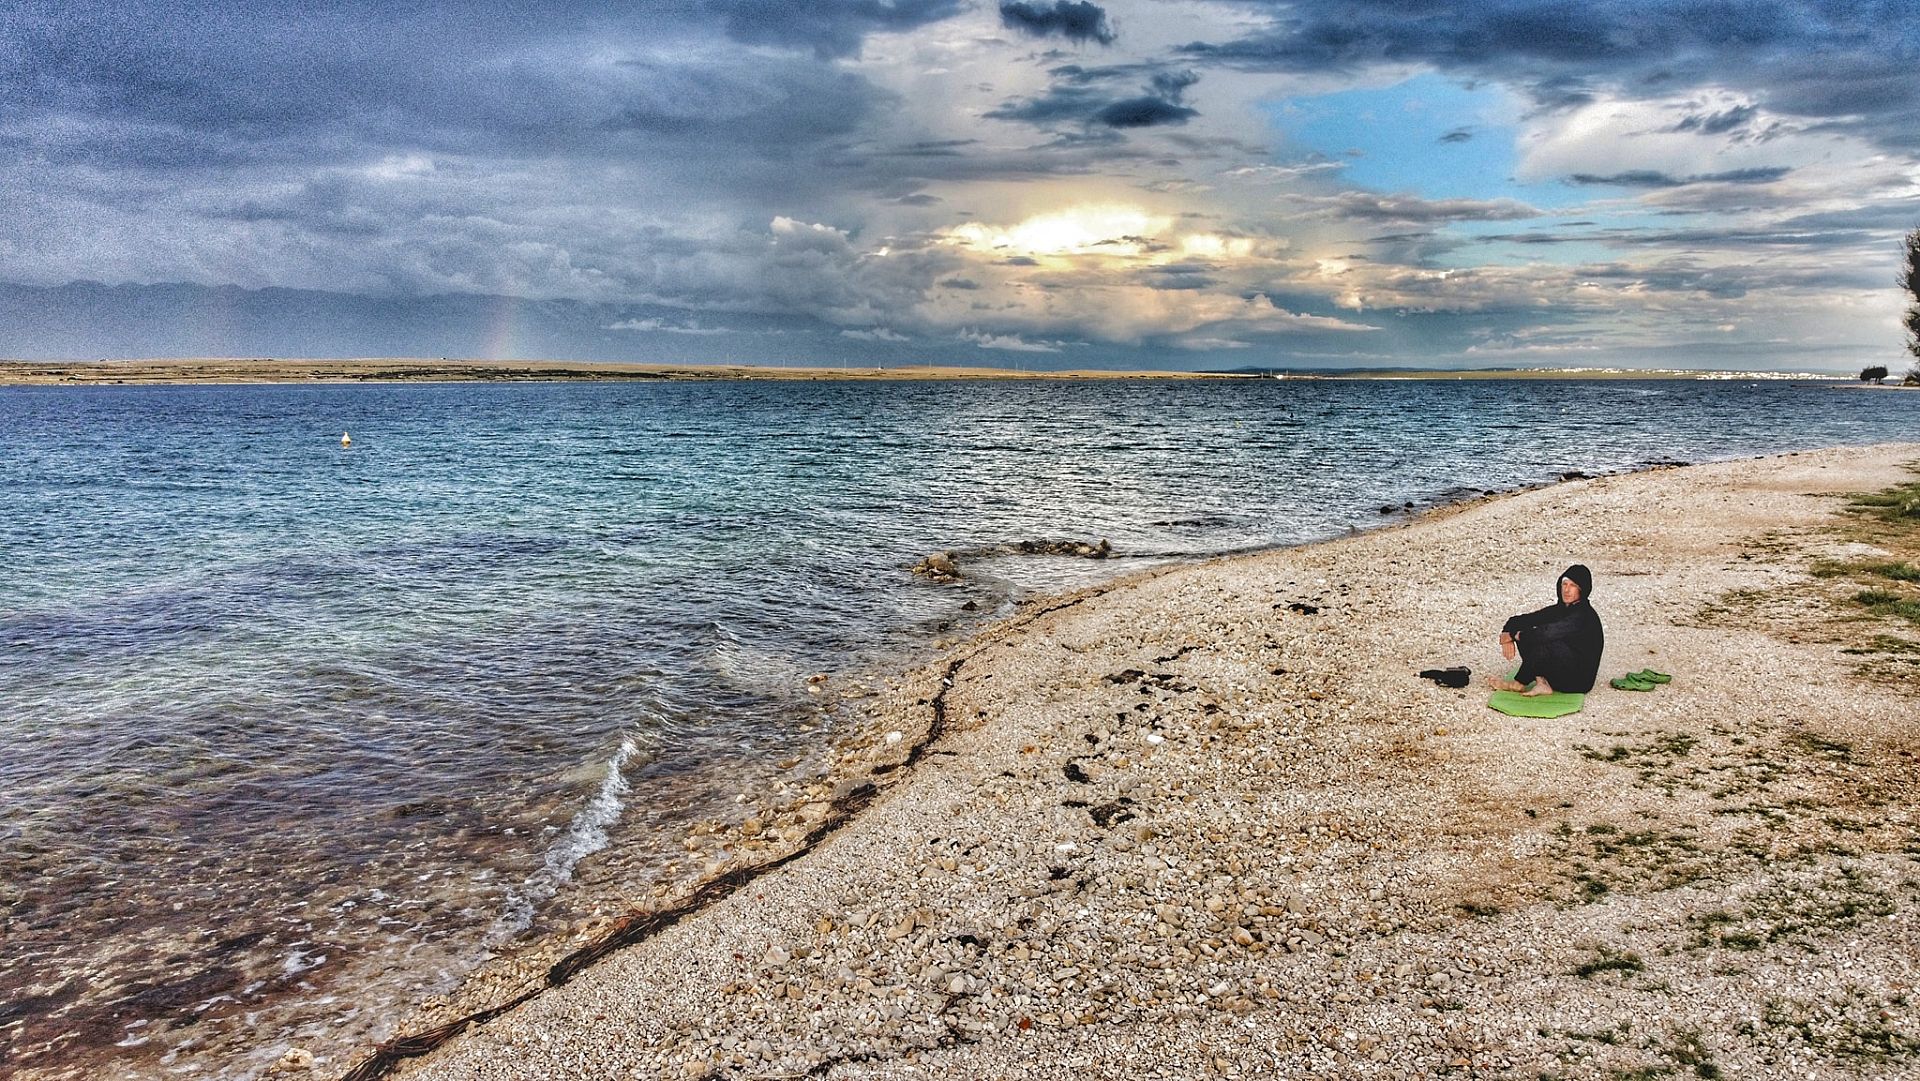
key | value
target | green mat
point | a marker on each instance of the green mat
(1515, 704)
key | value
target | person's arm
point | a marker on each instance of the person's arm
(1526, 621)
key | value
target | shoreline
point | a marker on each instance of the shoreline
(986, 970)
(219, 371)
(375, 370)
(570, 948)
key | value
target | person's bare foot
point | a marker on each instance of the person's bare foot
(1539, 687)
(1501, 683)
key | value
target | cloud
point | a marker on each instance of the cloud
(1203, 344)
(1841, 64)
(1144, 112)
(690, 175)
(1283, 173)
(658, 324)
(1012, 343)
(1075, 21)
(829, 28)
(1718, 123)
(1074, 96)
(1372, 207)
(1648, 178)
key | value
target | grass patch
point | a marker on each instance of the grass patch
(1899, 504)
(1833, 750)
(1861, 590)
(1789, 911)
(1892, 572)
(1610, 960)
(1653, 761)
(1880, 602)
(1845, 1027)
(1887, 643)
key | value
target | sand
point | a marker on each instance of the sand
(1208, 822)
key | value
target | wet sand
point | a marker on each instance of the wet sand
(1207, 821)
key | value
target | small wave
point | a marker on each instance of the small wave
(585, 835)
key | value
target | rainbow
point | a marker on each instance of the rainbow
(503, 328)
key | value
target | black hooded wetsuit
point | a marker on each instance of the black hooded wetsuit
(1561, 643)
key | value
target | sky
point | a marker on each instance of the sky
(1040, 183)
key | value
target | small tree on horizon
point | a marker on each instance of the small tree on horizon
(1873, 374)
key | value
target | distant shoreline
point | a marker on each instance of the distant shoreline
(414, 370)
(228, 371)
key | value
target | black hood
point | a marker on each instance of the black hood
(1580, 576)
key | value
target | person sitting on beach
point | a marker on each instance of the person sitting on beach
(1559, 646)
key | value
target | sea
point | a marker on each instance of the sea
(297, 733)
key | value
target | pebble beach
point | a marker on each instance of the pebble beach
(1207, 821)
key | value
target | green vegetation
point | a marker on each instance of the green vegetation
(1610, 960)
(1895, 572)
(1902, 501)
(1882, 603)
(1792, 911)
(1885, 587)
(1846, 1026)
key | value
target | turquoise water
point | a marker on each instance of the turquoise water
(297, 732)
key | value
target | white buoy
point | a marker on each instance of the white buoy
(346, 440)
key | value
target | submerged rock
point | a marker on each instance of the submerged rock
(1082, 549)
(939, 566)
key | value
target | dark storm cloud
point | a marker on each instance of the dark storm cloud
(427, 150)
(1457, 135)
(1847, 64)
(1143, 112)
(1889, 217)
(1814, 235)
(831, 29)
(1077, 96)
(167, 88)
(1372, 207)
(1074, 21)
(1648, 178)
(1061, 103)
(1680, 275)
(1178, 277)
(1718, 123)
